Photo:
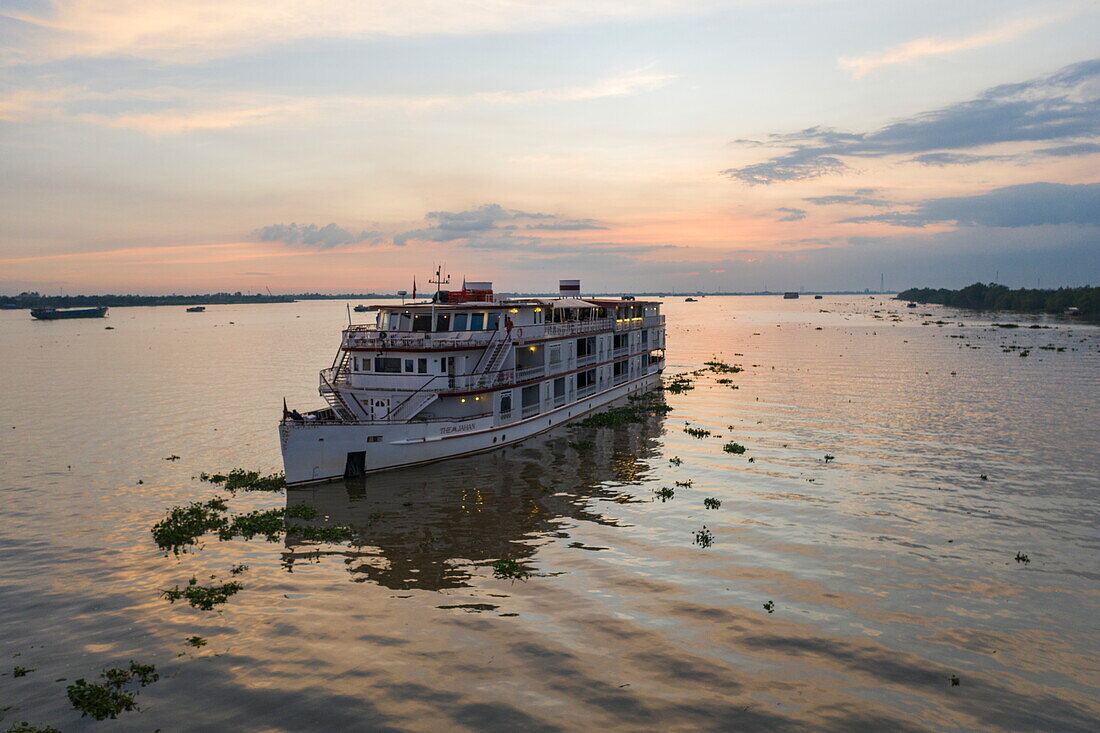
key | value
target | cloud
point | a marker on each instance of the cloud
(197, 30)
(177, 111)
(1024, 205)
(944, 159)
(491, 226)
(929, 47)
(1063, 106)
(311, 235)
(567, 225)
(859, 199)
(791, 214)
(1063, 151)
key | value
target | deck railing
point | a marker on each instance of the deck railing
(522, 375)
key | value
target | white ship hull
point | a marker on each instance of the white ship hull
(315, 451)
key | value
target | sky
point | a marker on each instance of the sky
(153, 147)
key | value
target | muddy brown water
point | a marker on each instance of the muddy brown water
(889, 569)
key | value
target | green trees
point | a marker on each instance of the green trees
(980, 296)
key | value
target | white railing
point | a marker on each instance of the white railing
(586, 360)
(522, 375)
(583, 392)
(554, 330)
(530, 411)
(375, 339)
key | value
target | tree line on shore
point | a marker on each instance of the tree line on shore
(37, 300)
(994, 297)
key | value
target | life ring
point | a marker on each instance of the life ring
(381, 334)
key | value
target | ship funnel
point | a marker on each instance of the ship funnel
(569, 288)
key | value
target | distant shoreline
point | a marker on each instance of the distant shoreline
(1081, 302)
(37, 300)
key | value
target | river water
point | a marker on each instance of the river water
(888, 570)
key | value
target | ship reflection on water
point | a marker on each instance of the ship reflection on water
(426, 528)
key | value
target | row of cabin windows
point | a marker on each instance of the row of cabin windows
(392, 365)
(585, 379)
(444, 322)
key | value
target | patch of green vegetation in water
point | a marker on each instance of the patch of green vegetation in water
(721, 367)
(638, 409)
(183, 526)
(25, 727)
(102, 700)
(704, 537)
(664, 493)
(735, 448)
(509, 569)
(241, 480)
(711, 503)
(203, 597)
(697, 432)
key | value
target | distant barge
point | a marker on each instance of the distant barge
(196, 309)
(53, 314)
(790, 296)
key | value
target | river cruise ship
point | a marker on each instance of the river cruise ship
(467, 372)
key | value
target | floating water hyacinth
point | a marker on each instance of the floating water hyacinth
(241, 480)
(664, 493)
(704, 537)
(711, 503)
(769, 606)
(735, 448)
(102, 700)
(203, 597)
(509, 569)
(697, 432)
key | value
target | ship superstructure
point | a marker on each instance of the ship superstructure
(468, 372)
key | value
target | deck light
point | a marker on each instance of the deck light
(514, 310)
(462, 400)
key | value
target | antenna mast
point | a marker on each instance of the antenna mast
(440, 277)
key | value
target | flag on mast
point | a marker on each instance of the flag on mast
(286, 412)
(414, 287)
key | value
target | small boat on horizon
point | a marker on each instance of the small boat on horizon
(196, 309)
(361, 308)
(53, 314)
(790, 295)
(690, 300)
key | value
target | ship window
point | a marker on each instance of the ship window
(422, 323)
(387, 365)
(506, 402)
(555, 354)
(586, 378)
(374, 438)
(559, 387)
(443, 322)
(477, 321)
(395, 321)
(645, 337)
(460, 321)
(493, 322)
(408, 365)
(421, 366)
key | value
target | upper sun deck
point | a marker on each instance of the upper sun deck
(471, 325)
